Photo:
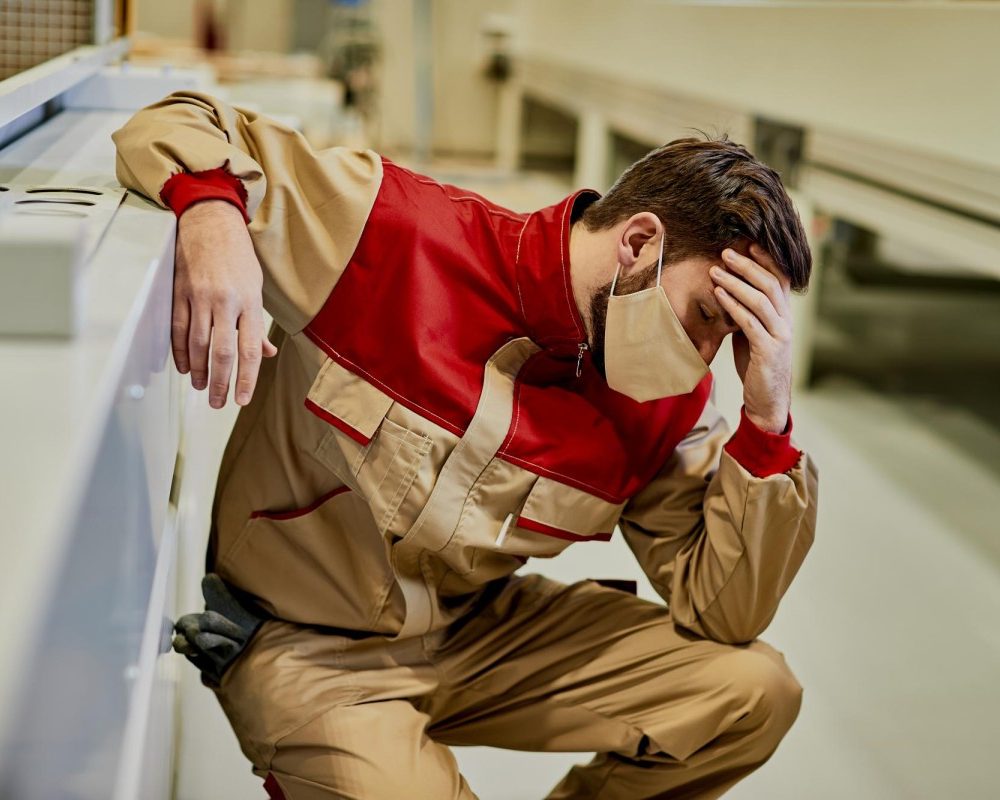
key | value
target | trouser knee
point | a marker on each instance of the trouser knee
(762, 680)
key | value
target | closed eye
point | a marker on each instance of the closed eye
(706, 315)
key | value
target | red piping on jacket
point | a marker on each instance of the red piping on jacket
(559, 533)
(272, 788)
(337, 423)
(299, 512)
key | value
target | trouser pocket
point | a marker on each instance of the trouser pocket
(323, 564)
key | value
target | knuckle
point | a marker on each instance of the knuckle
(221, 296)
(223, 353)
(199, 287)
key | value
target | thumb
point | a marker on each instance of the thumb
(741, 353)
(269, 350)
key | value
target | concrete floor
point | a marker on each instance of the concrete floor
(891, 625)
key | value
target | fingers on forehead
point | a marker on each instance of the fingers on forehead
(766, 260)
(762, 257)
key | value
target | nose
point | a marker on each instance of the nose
(709, 346)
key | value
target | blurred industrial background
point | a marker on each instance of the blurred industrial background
(883, 119)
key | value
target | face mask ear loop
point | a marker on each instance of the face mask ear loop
(614, 280)
(659, 264)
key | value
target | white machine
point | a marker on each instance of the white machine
(92, 428)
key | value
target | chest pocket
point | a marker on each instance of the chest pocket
(564, 512)
(547, 517)
(386, 461)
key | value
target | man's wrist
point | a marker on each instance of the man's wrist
(760, 452)
(774, 424)
(190, 189)
(211, 210)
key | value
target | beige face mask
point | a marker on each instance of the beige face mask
(647, 354)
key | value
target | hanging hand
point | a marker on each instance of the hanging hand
(218, 312)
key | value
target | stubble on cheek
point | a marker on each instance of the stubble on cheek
(598, 324)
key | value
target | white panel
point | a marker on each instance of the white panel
(971, 187)
(919, 75)
(90, 432)
(33, 88)
(634, 107)
(964, 245)
(125, 87)
(146, 762)
(47, 233)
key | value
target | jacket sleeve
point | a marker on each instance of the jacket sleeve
(306, 208)
(719, 543)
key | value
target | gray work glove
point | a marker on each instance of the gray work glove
(214, 638)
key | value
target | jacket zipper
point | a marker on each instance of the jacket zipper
(581, 348)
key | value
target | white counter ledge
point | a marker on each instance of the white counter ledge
(89, 432)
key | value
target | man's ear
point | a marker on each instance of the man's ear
(637, 232)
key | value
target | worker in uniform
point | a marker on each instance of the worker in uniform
(450, 388)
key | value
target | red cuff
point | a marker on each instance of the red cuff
(762, 453)
(187, 188)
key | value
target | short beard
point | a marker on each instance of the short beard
(629, 284)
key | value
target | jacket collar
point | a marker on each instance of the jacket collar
(545, 292)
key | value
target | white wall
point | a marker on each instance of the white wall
(396, 108)
(465, 102)
(465, 110)
(923, 74)
(247, 24)
(174, 20)
(919, 73)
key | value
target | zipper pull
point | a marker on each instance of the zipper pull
(579, 357)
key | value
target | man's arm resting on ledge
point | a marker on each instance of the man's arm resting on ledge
(208, 161)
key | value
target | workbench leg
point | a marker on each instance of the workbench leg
(805, 308)
(509, 126)
(593, 151)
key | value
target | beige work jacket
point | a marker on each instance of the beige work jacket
(429, 423)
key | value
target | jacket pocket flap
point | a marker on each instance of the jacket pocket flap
(347, 401)
(565, 512)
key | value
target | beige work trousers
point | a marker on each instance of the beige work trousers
(539, 665)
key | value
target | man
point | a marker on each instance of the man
(457, 388)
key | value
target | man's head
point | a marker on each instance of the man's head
(702, 195)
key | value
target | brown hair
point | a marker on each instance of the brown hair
(708, 193)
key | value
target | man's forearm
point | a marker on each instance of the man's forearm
(723, 529)
(730, 578)
(207, 161)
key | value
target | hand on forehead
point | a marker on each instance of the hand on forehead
(756, 253)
